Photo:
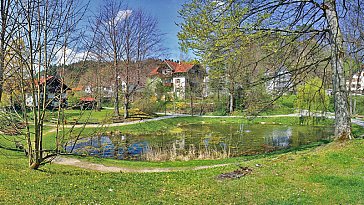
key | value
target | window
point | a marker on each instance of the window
(178, 81)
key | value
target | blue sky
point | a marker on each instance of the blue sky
(166, 12)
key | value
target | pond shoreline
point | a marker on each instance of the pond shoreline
(355, 121)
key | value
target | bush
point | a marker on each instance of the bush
(148, 104)
(286, 101)
(74, 98)
(312, 96)
(219, 113)
(359, 108)
(237, 113)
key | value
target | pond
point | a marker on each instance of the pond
(200, 141)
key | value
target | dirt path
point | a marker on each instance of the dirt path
(118, 124)
(102, 168)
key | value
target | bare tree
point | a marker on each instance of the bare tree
(125, 37)
(108, 35)
(44, 26)
(142, 41)
(353, 32)
(8, 28)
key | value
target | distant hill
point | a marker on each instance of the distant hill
(86, 73)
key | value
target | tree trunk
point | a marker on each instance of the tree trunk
(342, 115)
(126, 101)
(116, 87)
(231, 102)
(2, 65)
(191, 96)
(191, 104)
(116, 99)
(126, 106)
(35, 165)
(98, 91)
(3, 46)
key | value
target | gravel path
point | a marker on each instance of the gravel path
(102, 168)
(118, 124)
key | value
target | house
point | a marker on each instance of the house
(105, 91)
(279, 81)
(178, 75)
(357, 83)
(55, 92)
(87, 103)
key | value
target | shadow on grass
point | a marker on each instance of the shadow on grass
(288, 150)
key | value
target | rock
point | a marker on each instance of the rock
(242, 171)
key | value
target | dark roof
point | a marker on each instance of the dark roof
(42, 80)
(49, 80)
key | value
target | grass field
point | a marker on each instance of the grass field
(318, 173)
(90, 116)
(85, 116)
(329, 174)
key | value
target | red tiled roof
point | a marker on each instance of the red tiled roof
(176, 67)
(79, 88)
(154, 71)
(43, 80)
(179, 67)
(88, 99)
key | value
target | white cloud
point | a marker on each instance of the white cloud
(70, 56)
(122, 14)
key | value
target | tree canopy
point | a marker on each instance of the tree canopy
(303, 36)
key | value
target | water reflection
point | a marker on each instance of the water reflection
(103, 146)
(280, 137)
(199, 141)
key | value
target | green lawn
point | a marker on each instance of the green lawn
(85, 116)
(318, 173)
(329, 174)
(90, 116)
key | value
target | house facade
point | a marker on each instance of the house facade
(55, 92)
(105, 91)
(179, 75)
(280, 81)
(356, 85)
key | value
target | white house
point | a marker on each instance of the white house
(179, 85)
(280, 81)
(357, 83)
(178, 75)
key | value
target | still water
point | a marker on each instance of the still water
(199, 141)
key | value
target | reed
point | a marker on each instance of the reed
(173, 153)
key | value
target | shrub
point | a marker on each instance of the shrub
(149, 104)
